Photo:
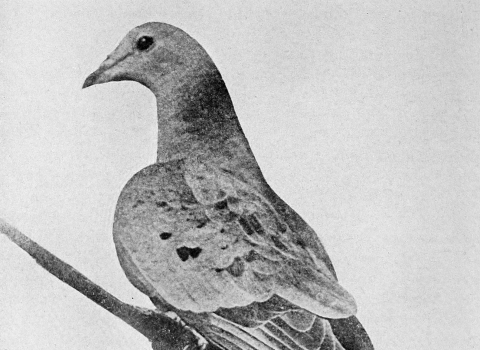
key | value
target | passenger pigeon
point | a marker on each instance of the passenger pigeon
(201, 232)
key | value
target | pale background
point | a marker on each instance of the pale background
(364, 116)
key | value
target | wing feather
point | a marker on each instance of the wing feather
(238, 267)
(287, 267)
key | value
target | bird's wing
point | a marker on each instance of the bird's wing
(266, 258)
(301, 289)
(207, 245)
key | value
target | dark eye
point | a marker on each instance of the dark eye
(144, 43)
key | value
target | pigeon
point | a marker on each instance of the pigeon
(201, 232)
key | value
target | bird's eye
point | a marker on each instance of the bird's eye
(144, 43)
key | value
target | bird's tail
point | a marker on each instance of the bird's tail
(284, 333)
(275, 334)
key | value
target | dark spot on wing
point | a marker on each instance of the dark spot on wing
(139, 202)
(222, 230)
(222, 205)
(257, 226)
(184, 253)
(202, 224)
(278, 243)
(246, 226)
(218, 270)
(300, 242)
(165, 235)
(251, 256)
(237, 268)
(251, 225)
(195, 252)
(228, 171)
(161, 204)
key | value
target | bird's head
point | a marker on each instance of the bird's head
(151, 54)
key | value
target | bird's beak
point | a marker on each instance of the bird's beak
(110, 69)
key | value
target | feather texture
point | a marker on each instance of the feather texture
(201, 232)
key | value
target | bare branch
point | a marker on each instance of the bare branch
(161, 330)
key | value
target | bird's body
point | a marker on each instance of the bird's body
(201, 232)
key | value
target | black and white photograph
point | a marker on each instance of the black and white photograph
(208, 175)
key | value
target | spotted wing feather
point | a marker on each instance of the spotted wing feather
(214, 250)
(269, 257)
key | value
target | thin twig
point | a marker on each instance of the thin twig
(161, 330)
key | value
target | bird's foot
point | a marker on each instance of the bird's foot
(201, 341)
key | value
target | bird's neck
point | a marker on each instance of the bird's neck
(196, 120)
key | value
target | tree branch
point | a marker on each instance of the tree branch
(161, 330)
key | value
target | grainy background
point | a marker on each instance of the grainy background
(363, 115)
